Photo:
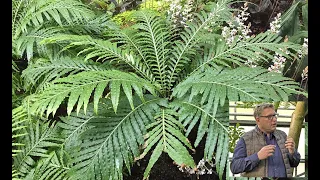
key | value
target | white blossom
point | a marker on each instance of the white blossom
(202, 168)
(237, 27)
(275, 24)
(278, 63)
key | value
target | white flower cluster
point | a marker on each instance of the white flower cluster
(237, 27)
(278, 63)
(180, 13)
(275, 24)
(304, 50)
(201, 168)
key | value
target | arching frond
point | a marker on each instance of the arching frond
(42, 10)
(153, 39)
(106, 142)
(44, 71)
(29, 41)
(40, 137)
(130, 39)
(262, 47)
(180, 56)
(52, 167)
(94, 26)
(240, 84)
(102, 50)
(166, 134)
(213, 126)
(79, 88)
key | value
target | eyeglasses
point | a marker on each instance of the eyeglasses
(270, 117)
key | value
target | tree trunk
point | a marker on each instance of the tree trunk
(297, 122)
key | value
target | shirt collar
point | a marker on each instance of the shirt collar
(258, 130)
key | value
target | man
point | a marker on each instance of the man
(265, 151)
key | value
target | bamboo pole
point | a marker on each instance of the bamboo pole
(297, 122)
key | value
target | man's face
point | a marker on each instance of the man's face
(267, 122)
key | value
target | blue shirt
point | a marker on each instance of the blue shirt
(276, 168)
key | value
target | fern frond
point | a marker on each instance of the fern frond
(213, 126)
(166, 132)
(40, 137)
(42, 10)
(261, 47)
(240, 84)
(19, 117)
(131, 40)
(104, 143)
(153, 42)
(184, 48)
(94, 26)
(29, 41)
(101, 50)
(51, 167)
(44, 71)
(79, 88)
(15, 174)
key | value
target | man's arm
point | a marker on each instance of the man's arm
(240, 162)
(294, 159)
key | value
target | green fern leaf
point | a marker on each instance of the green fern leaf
(240, 84)
(101, 49)
(258, 48)
(40, 137)
(79, 88)
(214, 127)
(29, 41)
(44, 71)
(132, 39)
(15, 174)
(19, 117)
(154, 39)
(55, 9)
(166, 132)
(51, 167)
(102, 144)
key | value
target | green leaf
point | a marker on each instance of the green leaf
(166, 133)
(82, 85)
(100, 145)
(240, 84)
(40, 137)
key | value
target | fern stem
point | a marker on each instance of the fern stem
(163, 130)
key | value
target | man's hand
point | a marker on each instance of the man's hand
(289, 144)
(266, 151)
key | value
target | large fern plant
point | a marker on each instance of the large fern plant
(142, 90)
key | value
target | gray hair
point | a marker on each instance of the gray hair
(260, 107)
